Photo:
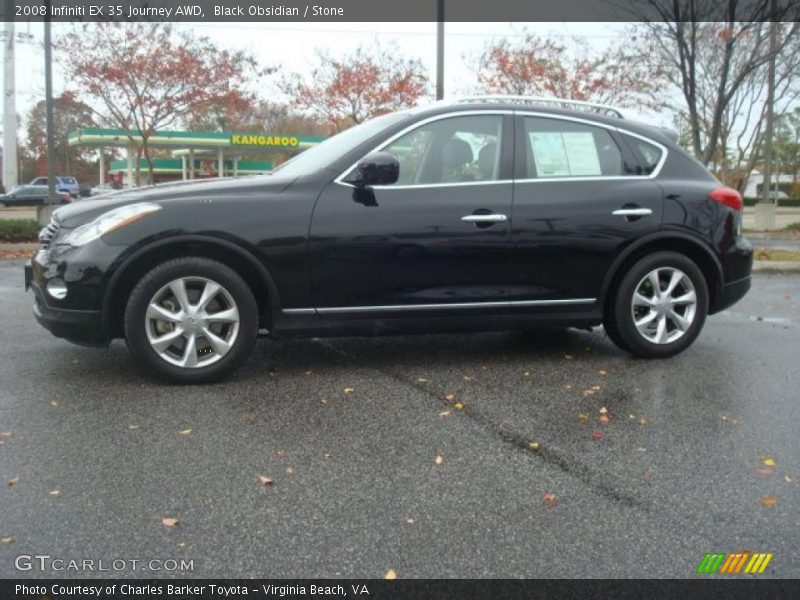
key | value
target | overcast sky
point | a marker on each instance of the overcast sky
(291, 47)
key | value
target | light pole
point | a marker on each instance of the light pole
(48, 99)
(440, 49)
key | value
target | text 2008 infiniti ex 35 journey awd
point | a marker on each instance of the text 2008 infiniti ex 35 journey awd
(479, 214)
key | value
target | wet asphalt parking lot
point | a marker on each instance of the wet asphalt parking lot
(530, 481)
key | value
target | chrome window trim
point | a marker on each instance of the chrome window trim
(620, 130)
(451, 306)
(412, 127)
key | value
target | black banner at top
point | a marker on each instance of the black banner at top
(397, 10)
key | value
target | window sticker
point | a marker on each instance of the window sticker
(565, 154)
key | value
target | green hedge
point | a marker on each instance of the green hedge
(19, 230)
(794, 202)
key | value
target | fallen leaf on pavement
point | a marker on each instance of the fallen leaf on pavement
(602, 372)
(53, 403)
(390, 574)
(583, 417)
(568, 356)
(55, 492)
(422, 380)
(309, 373)
(769, 462)
(6, 434)
(603, 419)
(6, 540)
(787, 479)
(568, 386)
(647, 475)
(13, 480)
(450, 397)
(551, 499)
(410, 521)
(765, 471)
(468, 378)
(588, 392)
(169, 521)
(597, 434)
(327, 456)
(769, 500)
(458, 406)
(444, 413)
(185, 432)
(289, 470)
(439, 459)
(349, 390)
(265, 480)
(534, 445)
(642, 421)
(603, 410)
(133, 427)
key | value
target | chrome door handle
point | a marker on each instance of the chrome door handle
(495, 218)
(632, 212)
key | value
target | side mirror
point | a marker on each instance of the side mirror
(378, 168)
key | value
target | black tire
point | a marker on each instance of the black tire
(136, 322)
(619, 320)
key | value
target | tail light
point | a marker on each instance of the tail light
(727, 196)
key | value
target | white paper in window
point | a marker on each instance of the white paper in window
(581, 154)
(550, 154)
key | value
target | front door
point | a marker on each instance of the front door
(435, 241)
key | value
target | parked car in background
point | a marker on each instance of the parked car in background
(31, 195)
(484, 213)
(105, 188)
(63, 184)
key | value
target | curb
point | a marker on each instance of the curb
(776, 266)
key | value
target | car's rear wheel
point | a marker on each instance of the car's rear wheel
(660, 306)
(191, 320)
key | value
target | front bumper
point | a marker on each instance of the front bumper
(84, 327)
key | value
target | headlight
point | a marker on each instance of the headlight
(107, 222)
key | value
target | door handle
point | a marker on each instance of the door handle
(494, 218)
(632, 212)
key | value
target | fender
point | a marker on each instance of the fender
(661, 236)
(272, 289)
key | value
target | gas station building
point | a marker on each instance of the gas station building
(193, 154)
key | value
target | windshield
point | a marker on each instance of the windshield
(324, 153)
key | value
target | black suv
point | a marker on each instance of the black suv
(484, 213)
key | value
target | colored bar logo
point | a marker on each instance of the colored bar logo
(735, 563)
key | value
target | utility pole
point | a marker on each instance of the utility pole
(48, 98)
(765, 210)
(10, 179)
(440, 49)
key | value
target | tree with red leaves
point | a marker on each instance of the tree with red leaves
(142, 77)
(537, 66)
(356, 87)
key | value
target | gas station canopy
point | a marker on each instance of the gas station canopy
(193, 150)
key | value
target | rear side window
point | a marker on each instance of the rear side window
(40, 181)
(557, 148)
(68, 180)
(648, 155)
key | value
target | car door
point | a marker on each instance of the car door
(581, 195)
(435, 241)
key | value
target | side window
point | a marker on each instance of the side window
(559, 148)
(647, 154)
(39, 181)
(450, 150)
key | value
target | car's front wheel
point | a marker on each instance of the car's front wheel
(191, 320)
(659, 307)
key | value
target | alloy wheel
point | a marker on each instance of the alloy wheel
(664, 305)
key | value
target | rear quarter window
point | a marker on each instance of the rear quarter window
(648, 155)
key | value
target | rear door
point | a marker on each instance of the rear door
(580, 196)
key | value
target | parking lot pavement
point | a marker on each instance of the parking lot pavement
(349, 430)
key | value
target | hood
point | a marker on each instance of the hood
(82, 211)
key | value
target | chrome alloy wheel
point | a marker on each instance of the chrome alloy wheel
(664, 305)
(192, 322)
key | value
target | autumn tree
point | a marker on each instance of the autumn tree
(142, 77)
(355, 87)
(69, 114)
(716, 53)
(540, 66)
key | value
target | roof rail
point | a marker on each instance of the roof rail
(562, 102)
